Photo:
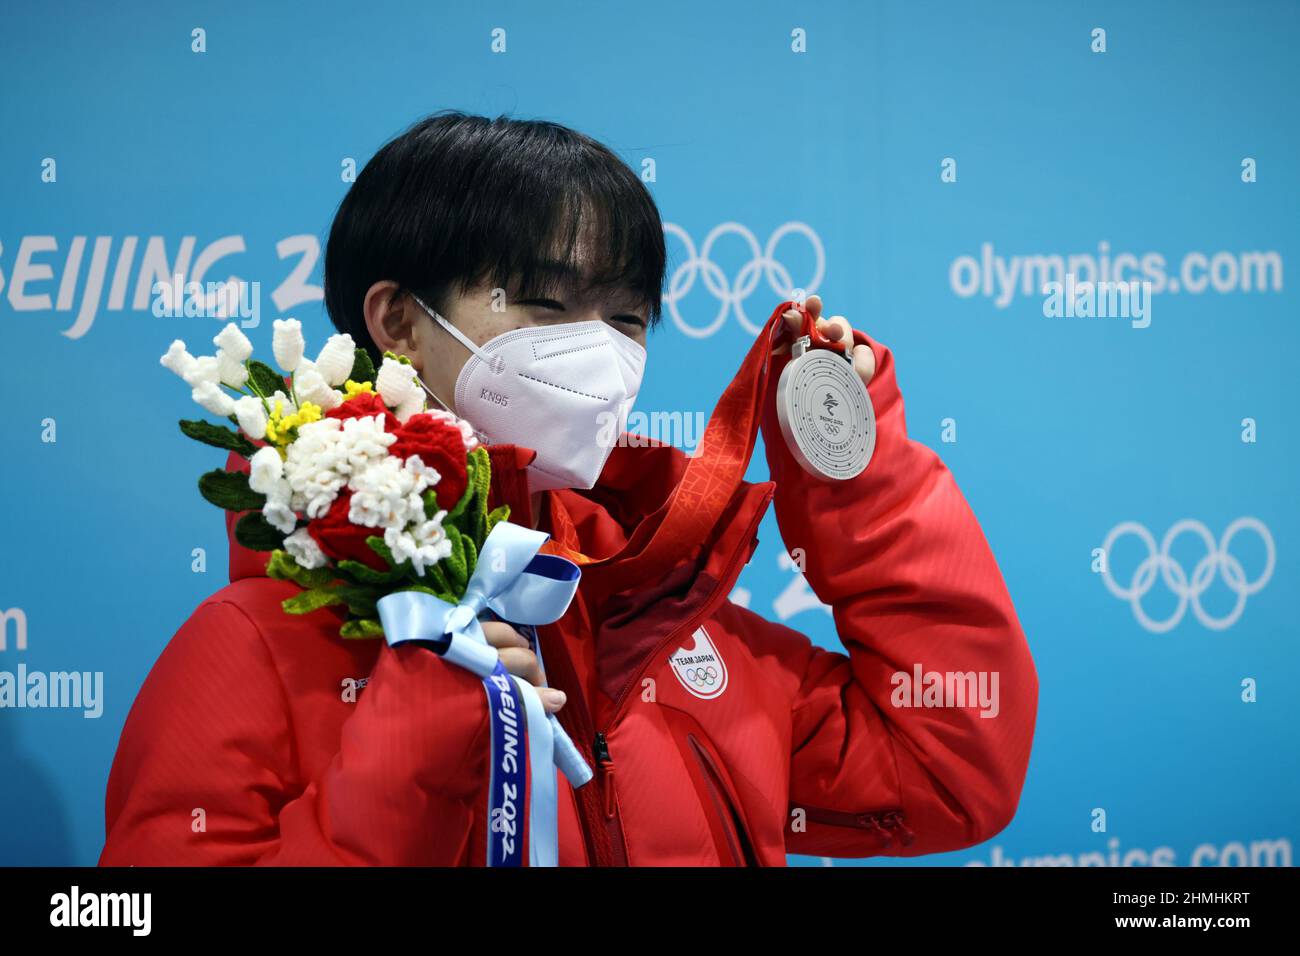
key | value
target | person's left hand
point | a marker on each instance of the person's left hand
(837, 329)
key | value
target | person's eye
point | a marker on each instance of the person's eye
(635, 320)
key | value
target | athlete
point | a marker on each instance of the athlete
(717, 737)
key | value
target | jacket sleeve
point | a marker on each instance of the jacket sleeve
(205, 772)
(900, 558)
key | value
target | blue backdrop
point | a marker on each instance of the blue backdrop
(920, 166)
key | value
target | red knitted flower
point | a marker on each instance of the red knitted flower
(439, 445)
(363, 405)
(339, 538)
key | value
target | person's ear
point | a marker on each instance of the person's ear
(390, 323)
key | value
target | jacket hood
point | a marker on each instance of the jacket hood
(608, 525)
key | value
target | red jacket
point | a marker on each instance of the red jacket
(244, 747)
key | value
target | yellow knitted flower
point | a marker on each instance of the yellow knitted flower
(354, 389)
(282, 429)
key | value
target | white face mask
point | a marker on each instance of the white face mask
(563, 390)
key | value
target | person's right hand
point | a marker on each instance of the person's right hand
(519, 660)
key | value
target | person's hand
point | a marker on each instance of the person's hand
(836, 328)
(522, 662)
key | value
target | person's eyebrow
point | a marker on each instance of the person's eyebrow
(562, 274)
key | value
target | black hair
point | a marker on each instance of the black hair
(458, 199)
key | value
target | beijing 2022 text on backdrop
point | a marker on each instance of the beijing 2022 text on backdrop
(927, 168)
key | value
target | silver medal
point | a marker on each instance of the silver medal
(825, 412)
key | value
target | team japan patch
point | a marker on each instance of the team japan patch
(699, 667)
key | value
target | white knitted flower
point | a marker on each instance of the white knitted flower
(280, 516)
(265, 468)
(234, 343)
(386, 495)
(429, 532)
(302, 547)
(252, 417)
(395, 382)
(287, 406)
(413, 404)
(211, 397)
(205, 368)
(178, 360)
(231, 370)
(280, 493)
(337, 358)
(400, 543)
(316, 467)
(311, 386)
(428, 473)
(424, 545)
(364, 441)
(287, 343)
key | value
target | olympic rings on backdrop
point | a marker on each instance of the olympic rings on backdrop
(731, 295)
(1218, 561)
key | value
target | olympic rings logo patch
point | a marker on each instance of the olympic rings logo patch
(1217, 563)
(699, 667)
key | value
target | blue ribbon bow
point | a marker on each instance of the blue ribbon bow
(520, 586)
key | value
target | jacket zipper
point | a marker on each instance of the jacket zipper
(605, 767)
(576, 719)
(599, 754)
(887, 823)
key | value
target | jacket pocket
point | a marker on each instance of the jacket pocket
(718, 800)
(887, 824)
(726, 812)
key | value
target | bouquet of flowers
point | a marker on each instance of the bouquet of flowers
(356, 488)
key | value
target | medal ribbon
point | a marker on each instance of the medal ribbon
(512, 581)
(716, 470)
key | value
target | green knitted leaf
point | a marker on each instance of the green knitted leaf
(482, 482)
(483, 465)
(475, 464)
(360, 600)
(253, 531)
(436, 578)
(283, 567)
(266, 380)
(430, 503)
(470, 513)
(363, 628)
(377, 545)
(305, 602)
(454, 564)
(365, 574)
(497, 515)
(363, 369)
(229, 490)
(471, 554)
(447, 596)
(218, 436)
